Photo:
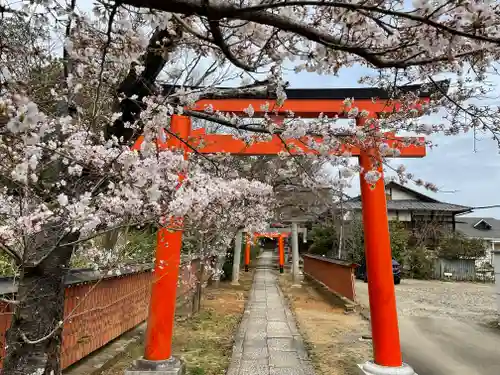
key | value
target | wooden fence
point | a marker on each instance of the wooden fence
(100, 308)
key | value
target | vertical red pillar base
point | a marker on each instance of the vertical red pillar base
(370, 368)
(158, 359)
(282, 269)
(159, 333)
(246, 268)
(142, 366)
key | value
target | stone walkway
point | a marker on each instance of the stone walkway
(268, 342)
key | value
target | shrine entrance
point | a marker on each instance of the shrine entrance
(304, 103)
(280, 239)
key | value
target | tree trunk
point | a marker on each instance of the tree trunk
(111, 239)
(34, 338)
(220, 262)
(198, 289)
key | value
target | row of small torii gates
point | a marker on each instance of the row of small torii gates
(280, 234)
(304, 103)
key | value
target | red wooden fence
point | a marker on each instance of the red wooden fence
(98, 310)
(336, 275)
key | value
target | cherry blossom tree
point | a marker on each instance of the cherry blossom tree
(68, 173)
(65, 182)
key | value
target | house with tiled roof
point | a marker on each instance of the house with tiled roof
(414, 208)
(485, 228)
(430, 219)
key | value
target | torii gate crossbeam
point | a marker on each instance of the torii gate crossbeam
(307, 104)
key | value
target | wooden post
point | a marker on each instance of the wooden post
(199, 286)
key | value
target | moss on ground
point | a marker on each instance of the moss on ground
(204, 341)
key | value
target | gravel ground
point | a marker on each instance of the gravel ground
(463, 301)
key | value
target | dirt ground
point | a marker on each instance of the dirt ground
(446, 327)
(333, 337)
(472, 302)
(205, 340)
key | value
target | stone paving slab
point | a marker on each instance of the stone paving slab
(268, 342)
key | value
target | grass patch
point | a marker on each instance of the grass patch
(205, 340)
(332, 338)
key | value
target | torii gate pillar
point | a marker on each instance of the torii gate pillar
(383, 313)
(158, 359)
(248, 246)
(281, 249)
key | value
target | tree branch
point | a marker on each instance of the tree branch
(286, 24)
(186, 143)
(11, 253)
(222, 121)
(219, 41)
(141, 86)
(190, 30)
(370, 8)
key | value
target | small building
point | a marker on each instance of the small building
(415, 209)
(484, 228)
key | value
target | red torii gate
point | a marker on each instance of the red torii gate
(281, 247)
(306, 103)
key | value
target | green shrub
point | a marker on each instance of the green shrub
(419, 262)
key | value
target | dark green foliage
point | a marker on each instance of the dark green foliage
(325, 240)
(196, 371)
(141, 245)
(399, 240)
(457, 246)
(416, 259)
(418, 262)
(7, 265)
(227, 267)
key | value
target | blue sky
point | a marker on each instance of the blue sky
(463, 176)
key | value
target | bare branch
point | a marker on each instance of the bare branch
(4, 9)
(190, 30)
(9, 301)
(219, 41)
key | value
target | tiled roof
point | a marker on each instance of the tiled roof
(411, 205)
(421, 202)
(466, 226)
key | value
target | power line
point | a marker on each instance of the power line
(486, 207)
